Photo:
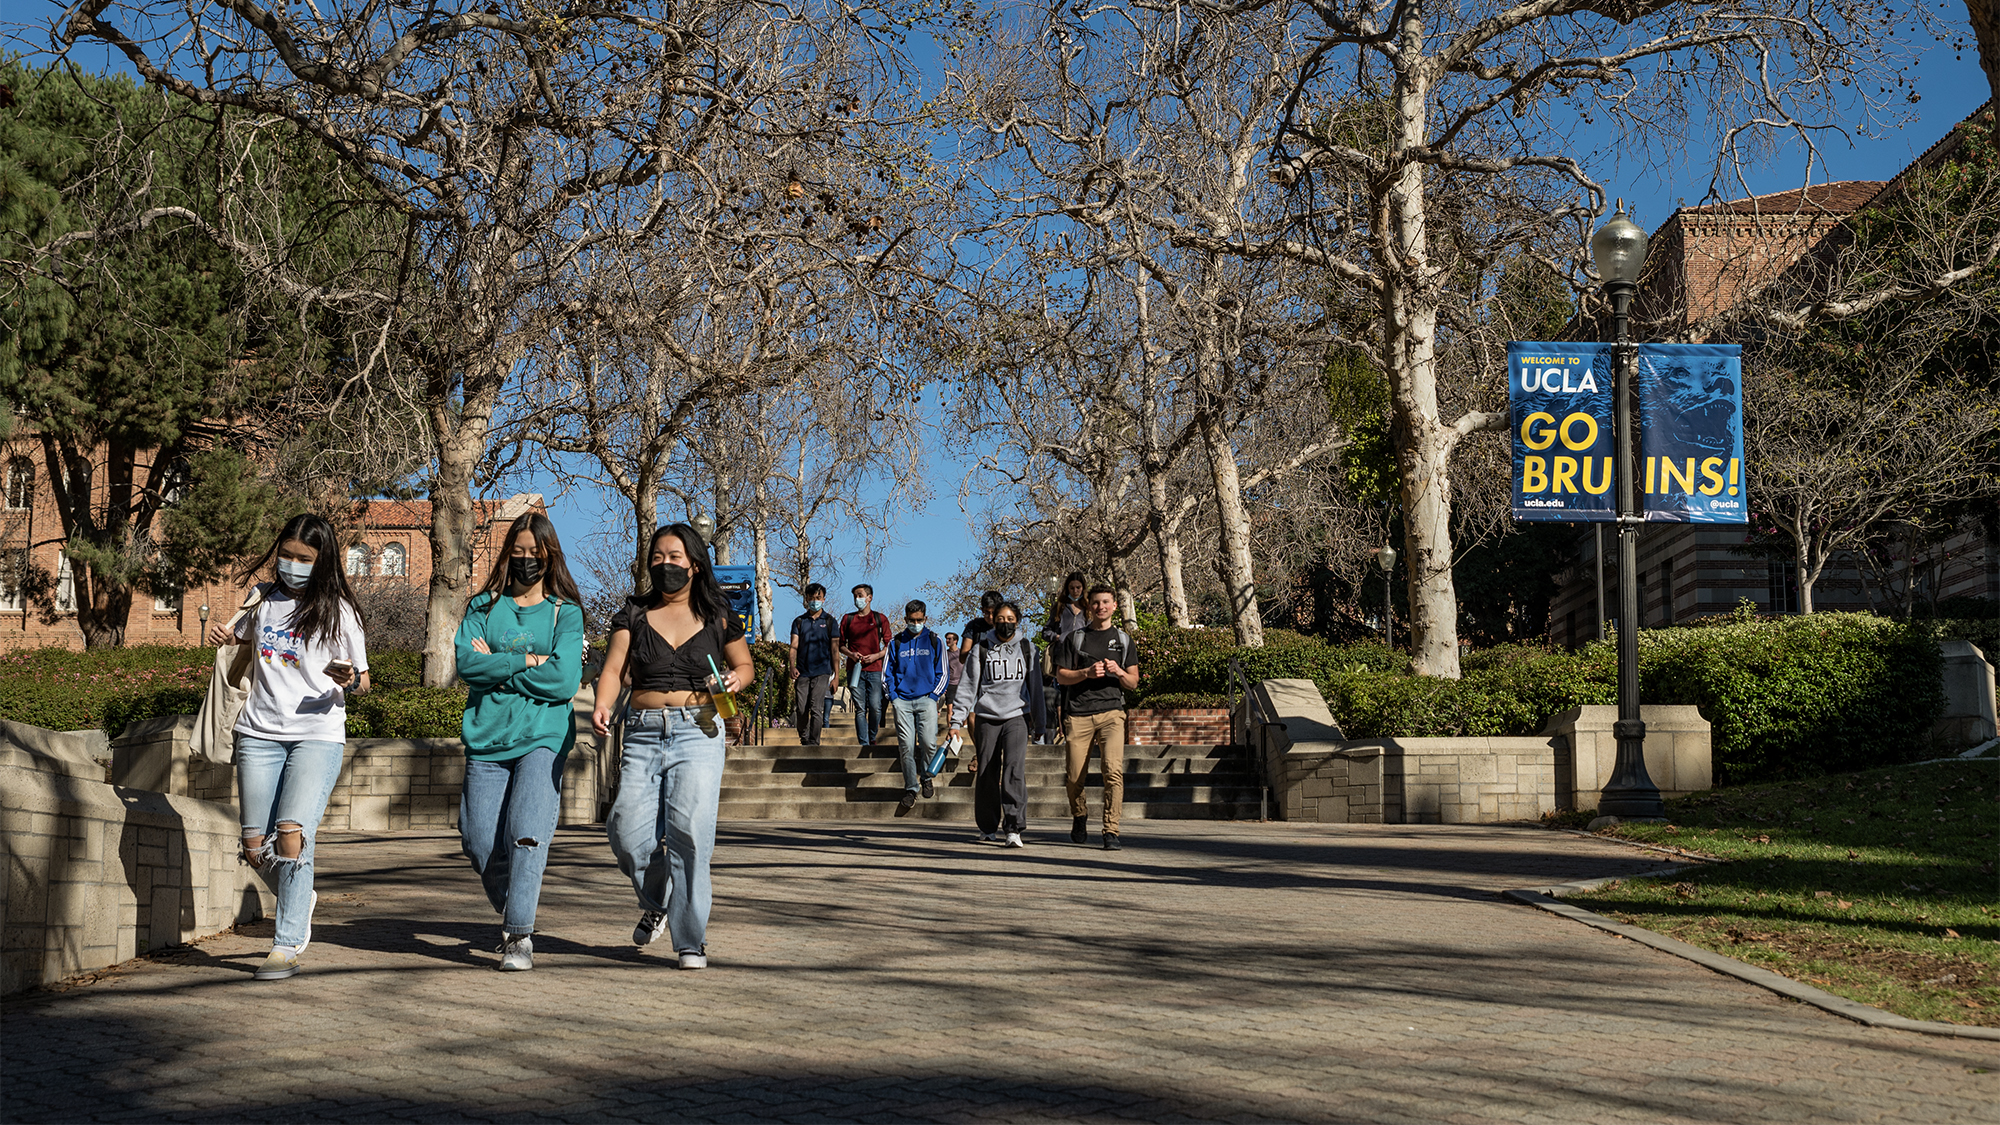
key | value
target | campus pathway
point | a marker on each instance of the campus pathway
(900, 971)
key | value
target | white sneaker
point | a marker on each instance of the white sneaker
(517, 953)
(694, 961)
(1014, 840)
(651, 925)
(989, 837)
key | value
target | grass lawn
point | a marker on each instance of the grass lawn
(1879, 886)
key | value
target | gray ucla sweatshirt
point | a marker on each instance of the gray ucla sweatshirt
(1002, 679)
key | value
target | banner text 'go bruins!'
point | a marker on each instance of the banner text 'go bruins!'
(1689, 401)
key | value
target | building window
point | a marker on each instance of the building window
(166, 601)
(395, 561)
(20, 483)
(357, 561)
(1784, 587)
(1667, 592)
(65, 586)
(13, 569)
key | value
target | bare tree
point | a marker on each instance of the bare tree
(1836, 467)
(493, 135)
(1409, 121)
(1136, 152)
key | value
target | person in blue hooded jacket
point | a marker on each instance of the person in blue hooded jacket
(915, 676)
(520, 650)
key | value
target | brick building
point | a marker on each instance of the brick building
(1703, 261)
(390, 544)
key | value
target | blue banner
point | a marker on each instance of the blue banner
(1690, 405)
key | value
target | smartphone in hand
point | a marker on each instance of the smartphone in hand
(341, 671)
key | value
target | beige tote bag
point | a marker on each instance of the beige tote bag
(214, 735)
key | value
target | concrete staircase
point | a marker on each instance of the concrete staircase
(842, 780)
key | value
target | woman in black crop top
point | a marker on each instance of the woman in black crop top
(662, 824)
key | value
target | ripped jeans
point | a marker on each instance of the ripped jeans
(284, 787)
(505, 819)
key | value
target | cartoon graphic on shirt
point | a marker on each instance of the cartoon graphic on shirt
(279, 645)
(520, 640)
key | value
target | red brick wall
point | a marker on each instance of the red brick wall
(37, 528)
(1178, 726)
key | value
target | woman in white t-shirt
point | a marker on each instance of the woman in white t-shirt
(293, 728)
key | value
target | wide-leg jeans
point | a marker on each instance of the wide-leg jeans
(662, 824)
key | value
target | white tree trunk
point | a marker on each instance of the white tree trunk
(760, 549)
(1424, 445)
(1167, 540)
(1237, 567)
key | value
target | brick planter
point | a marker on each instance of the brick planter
(1177, 726)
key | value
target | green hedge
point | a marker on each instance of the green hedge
(1818, 693)
(1794, 696)
(418, 712)
(62, 689)
(109, 689)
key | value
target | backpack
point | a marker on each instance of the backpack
(1073, 645)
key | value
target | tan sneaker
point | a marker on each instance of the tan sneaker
(283, 962)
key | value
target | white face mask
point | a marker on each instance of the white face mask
(294, 574)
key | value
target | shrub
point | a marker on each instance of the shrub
(1783, 697)
(389, 669)
(1800, 695)
(62, 689)
(1982, 631)
(418, 712)
(109, 689)
(1183, 699)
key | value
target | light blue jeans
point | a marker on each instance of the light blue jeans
(916, 737)
(868, 707)
(662, 824)
(283, 784)
(506, 817)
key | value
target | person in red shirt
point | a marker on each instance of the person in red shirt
(864, 642)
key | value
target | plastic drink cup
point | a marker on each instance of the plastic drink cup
(725, 701)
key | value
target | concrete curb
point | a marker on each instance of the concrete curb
(1546, 898)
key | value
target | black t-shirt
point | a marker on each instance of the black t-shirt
(974, 629)
(659, 666)
(1100, 693)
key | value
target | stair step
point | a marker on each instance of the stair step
(841, 779)
(1051, 809)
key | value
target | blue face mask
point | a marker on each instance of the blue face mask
(815, 606)
(294, 575)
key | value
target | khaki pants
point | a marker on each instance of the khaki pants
(1106, 730)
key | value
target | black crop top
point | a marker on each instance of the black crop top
(658, 666)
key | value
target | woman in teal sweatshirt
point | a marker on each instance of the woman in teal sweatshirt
(520, 649)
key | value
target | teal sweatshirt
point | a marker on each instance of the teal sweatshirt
(513, 708)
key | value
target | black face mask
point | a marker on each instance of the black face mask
(524, 572)
(669, 579)
(1004, 630)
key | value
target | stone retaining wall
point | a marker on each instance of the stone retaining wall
(1315, 774)
(97, 874)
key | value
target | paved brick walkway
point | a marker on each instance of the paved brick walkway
(899, 971)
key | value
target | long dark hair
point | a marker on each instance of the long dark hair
(1062, 596)
(706, 599)
(317, 617)
(555, 571)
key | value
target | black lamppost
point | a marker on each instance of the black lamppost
(1620, 249)
(1385, 559)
